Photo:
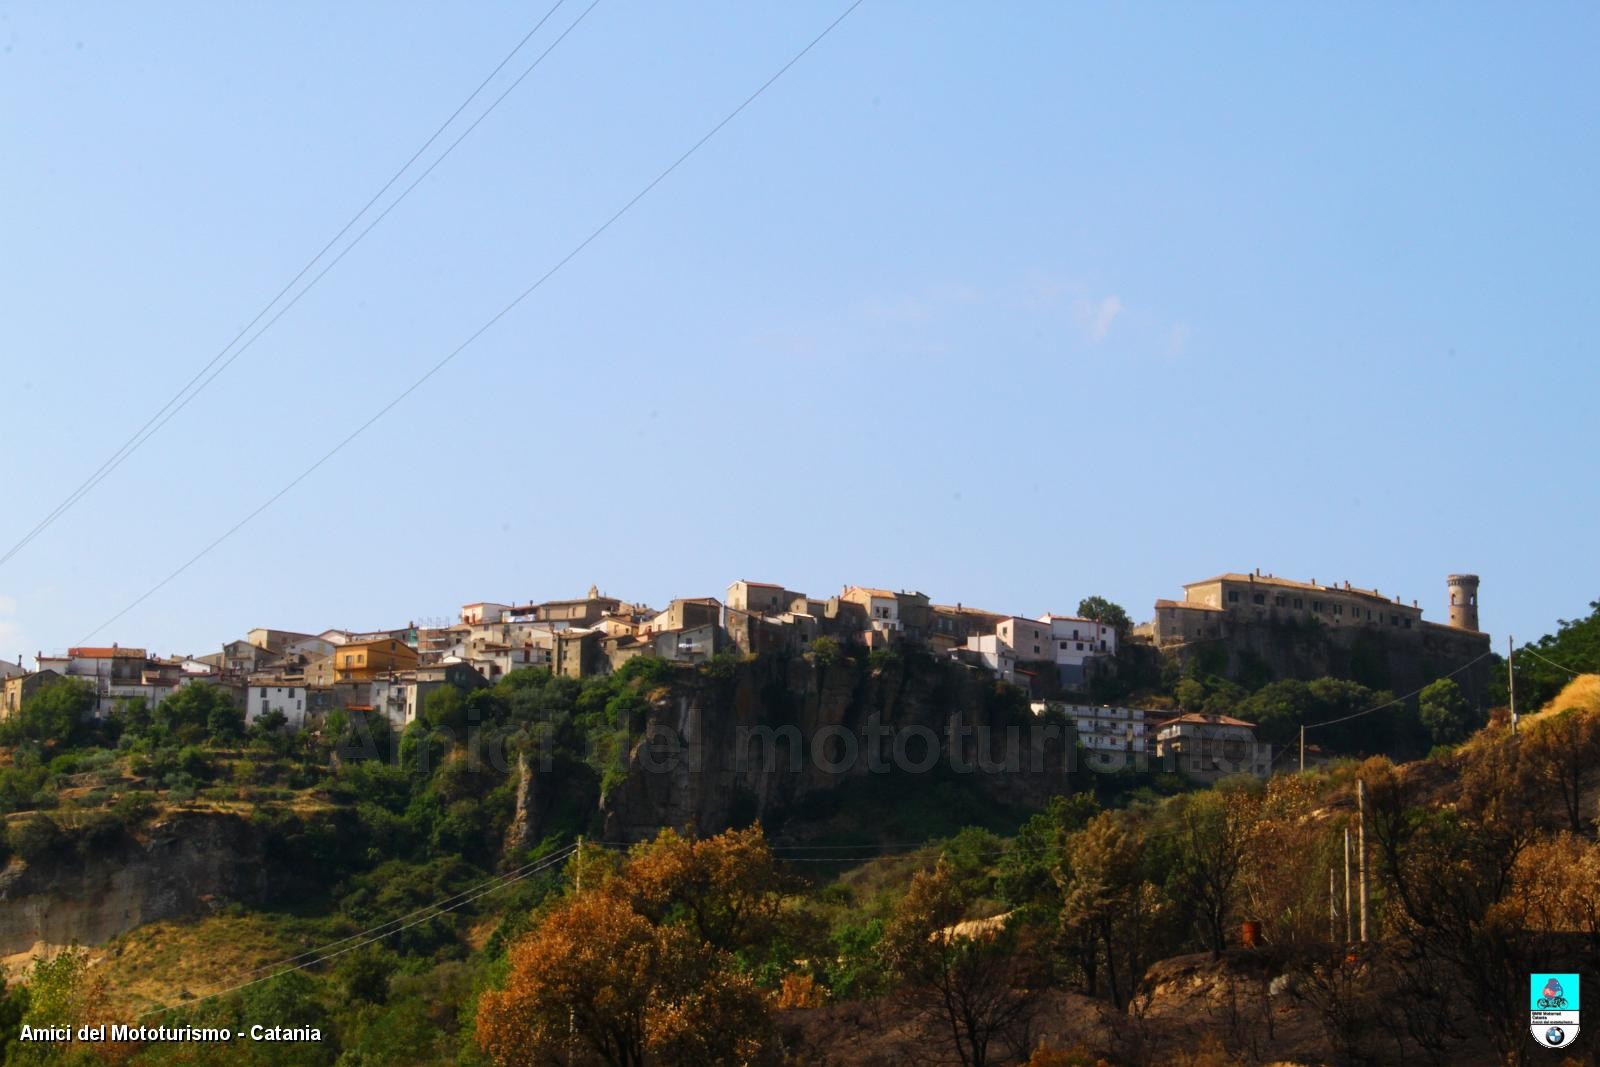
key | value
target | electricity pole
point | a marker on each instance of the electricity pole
(1333, 909)
(1511, 681)
(1302, 748)
(1349, 915)
(1361, 850)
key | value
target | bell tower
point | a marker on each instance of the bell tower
(1464, 601)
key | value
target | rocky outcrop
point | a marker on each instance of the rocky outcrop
(723, 748)
(182, 865)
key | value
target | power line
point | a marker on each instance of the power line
(481, 330)
(429, 907)
(1399, 699)
(165, 413)
(1539, 655)
(435, 911)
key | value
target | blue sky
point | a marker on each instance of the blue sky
(1011, 304)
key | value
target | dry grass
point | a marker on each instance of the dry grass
(1582, 693)
(166, 963)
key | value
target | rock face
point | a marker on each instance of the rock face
(724, 749)
(1254, 652)
(180, 866)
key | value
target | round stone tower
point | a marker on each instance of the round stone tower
(1464, 601)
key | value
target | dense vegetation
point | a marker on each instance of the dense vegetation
(1484, 865)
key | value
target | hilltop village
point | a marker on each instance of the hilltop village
(1233, 622)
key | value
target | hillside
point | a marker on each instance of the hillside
(189, 857)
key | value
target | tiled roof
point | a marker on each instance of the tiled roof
(1192, 605)
(1290, 583)
(1209, 720)
(106, 653)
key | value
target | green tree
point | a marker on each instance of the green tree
(1100, 609)
(1212, 838)
(61, 991)
(825, 650)
(53, 715)
(1575, 646)
(198, 710)
(1106, 903)
(1445, 712)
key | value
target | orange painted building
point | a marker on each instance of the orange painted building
(366, 660)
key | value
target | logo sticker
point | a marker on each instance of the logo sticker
(1553, 1009)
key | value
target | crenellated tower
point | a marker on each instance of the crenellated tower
(1464, 601)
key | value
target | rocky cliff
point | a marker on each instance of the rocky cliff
(181, 865)
(754, 740)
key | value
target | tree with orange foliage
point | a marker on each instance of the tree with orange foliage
(964, 985)
(622, 974)
(725, 887)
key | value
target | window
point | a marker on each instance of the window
(263, 692)
(1316, 605)
(1063, 645)
(1080, 646)
(1298, 603)
(1233, 596)
(1277, 601)
(1259, 598)
(1408, 623)
(1035, 650)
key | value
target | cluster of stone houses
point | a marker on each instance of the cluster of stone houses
(391, 672)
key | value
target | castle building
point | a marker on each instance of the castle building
(1265, 597)
(1255, 627)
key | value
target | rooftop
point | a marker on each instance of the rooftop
(1192, 605)
(1290, 583)
(1201, 719)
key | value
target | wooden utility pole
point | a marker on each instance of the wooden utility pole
(1511, 681)
(1349, 930)
(572, 1013)
(1361, 850)
(1302, 748)
(1333, 910)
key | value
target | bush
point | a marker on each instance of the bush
(35, 838)
(825, 650)
(134, 808)
(193, 762)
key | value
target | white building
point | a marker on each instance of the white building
(994, 654)
(1208, 747)
(485, 611)
(1074, 641)
(1112, 737)
(1028, 638)
(289, 699)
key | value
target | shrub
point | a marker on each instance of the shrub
(35, 837)
(825, 650)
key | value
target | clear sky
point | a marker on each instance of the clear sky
(1008, 303)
